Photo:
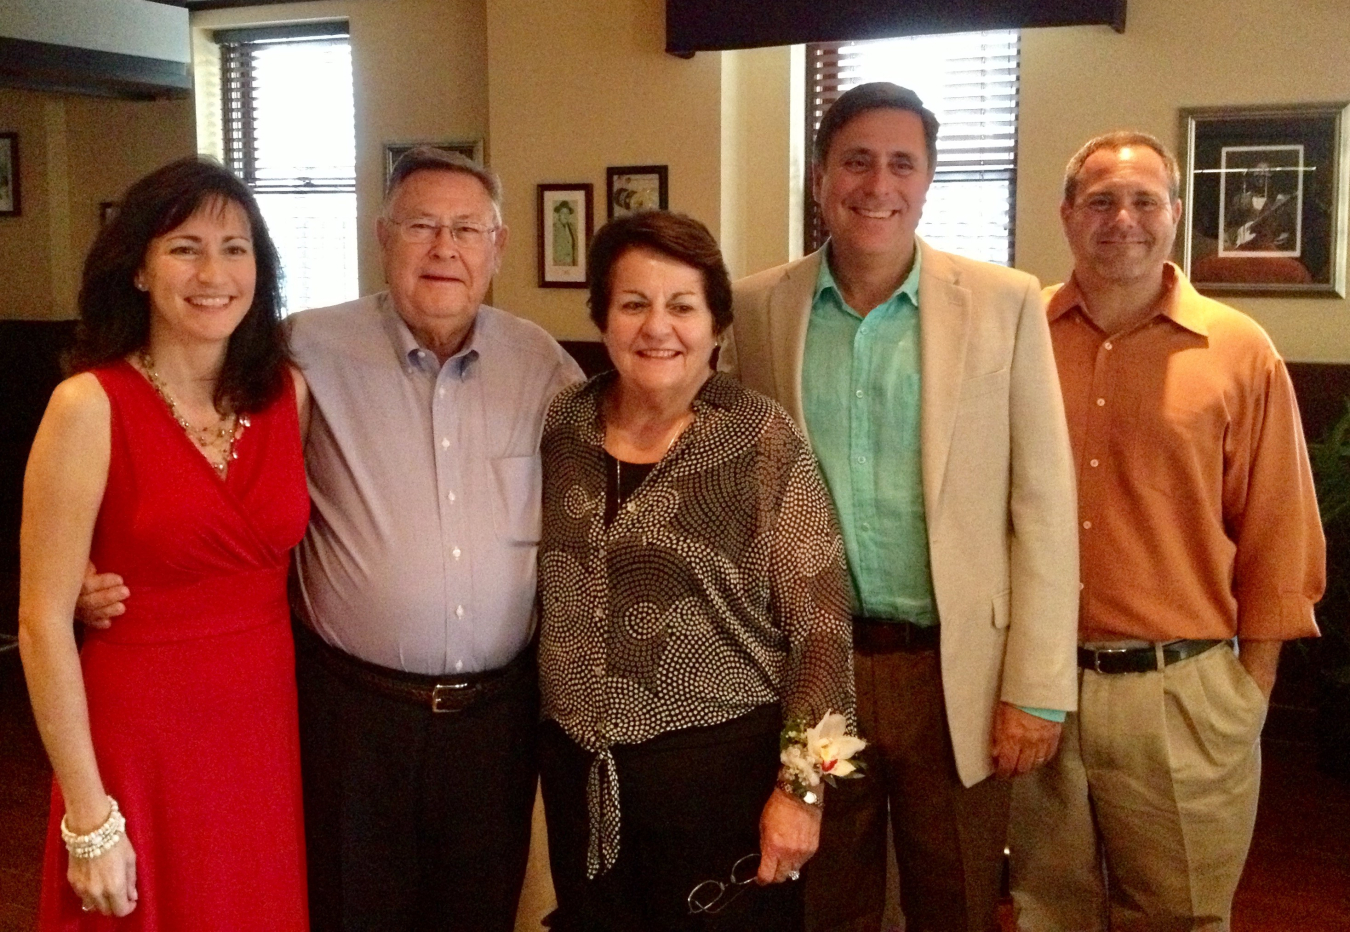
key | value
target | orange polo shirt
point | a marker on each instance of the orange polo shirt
(1197, 515)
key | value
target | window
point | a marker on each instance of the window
(969, 80)
(289, 133)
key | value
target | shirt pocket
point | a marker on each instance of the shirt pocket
(516, 512)
(1174, 446)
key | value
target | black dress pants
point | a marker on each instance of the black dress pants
(414, 820)
(689, 806)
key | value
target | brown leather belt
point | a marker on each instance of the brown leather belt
(892, 635)
(1141, 659)
(436, 693)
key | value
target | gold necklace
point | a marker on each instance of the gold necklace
(680, 427)
(224, 434)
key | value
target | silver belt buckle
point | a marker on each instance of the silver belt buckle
(444, 692)
(1097, 656)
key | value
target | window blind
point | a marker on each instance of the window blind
(289, 133)
(970, 81)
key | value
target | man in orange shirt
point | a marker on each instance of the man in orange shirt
(1198, 524)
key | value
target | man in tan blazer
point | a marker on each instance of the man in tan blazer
(927, 385)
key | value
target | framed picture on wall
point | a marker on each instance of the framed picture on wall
(565, 224)
(1265, 194)
(393, 151)
(9, 175)
(631, 188)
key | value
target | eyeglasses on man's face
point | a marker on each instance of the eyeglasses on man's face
(712, 896)
(425, 230)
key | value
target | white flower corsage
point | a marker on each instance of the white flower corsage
(822, 752)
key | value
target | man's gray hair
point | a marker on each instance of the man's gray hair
(429, 158)
(1121, 139)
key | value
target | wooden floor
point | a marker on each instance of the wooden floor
(1297, 877)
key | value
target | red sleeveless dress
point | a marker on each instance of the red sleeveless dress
(191, 693)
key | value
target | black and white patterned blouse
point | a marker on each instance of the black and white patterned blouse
(719, 587)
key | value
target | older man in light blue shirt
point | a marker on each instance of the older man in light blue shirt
(416, 581)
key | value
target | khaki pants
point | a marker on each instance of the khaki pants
(1143, 819)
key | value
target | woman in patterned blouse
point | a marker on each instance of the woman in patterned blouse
(695, 599)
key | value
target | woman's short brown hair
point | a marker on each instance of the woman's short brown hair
(677, 236)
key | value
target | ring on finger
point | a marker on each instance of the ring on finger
(794, 875)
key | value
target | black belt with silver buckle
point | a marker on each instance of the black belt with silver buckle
(1140, 659)
(892, 635)
(437, 693)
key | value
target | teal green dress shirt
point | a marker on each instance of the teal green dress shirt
(860, 395)
(861, 379)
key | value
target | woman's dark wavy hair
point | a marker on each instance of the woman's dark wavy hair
(115, 315)
(680, 237)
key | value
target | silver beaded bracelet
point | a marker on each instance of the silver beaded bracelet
(100, 840)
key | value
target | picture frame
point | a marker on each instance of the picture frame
(1265, 192)
(566, 221)
(630, 188)
(10, 203)
(469, 148)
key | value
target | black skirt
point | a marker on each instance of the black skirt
(690, 803)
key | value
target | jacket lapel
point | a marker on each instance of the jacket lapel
(789, 315)
(944, 334)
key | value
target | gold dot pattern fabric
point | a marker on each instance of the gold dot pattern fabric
(720, 586)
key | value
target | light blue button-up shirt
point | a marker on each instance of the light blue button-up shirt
(860, 395)
(425, 481)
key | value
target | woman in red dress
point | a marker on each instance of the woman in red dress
(173, 459)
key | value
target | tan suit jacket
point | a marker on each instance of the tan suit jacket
(998, 482)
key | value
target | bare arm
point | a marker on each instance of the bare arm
(63, 488)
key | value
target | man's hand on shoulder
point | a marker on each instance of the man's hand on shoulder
(1021, 742)
(102, 598)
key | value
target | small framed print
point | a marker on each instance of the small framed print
(565, 225)
(471, 149)
(1266, 207)
(9, 175)
(632, 188)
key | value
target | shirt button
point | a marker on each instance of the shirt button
(441, 391)
(455, 553)
(459, 665)
(866, 526)
(445, 443)
(861, 460)
(1100, 402)
(459, 611)
(859, 393)
(1107, 344)
(1090, 463)
(1087, 525)
(450, 496)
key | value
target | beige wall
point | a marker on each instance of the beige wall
(73, 153)
(578, 85)
(419, 72)
(1082, 81)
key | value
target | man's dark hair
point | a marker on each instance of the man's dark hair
(115, 314)
(677, 236)
(879, 95)
(429, 158)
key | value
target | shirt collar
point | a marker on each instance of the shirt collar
(417, 358)
(1171, 303)
(909, 288)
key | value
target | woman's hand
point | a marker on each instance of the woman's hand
(107, 883)
(789, 833)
